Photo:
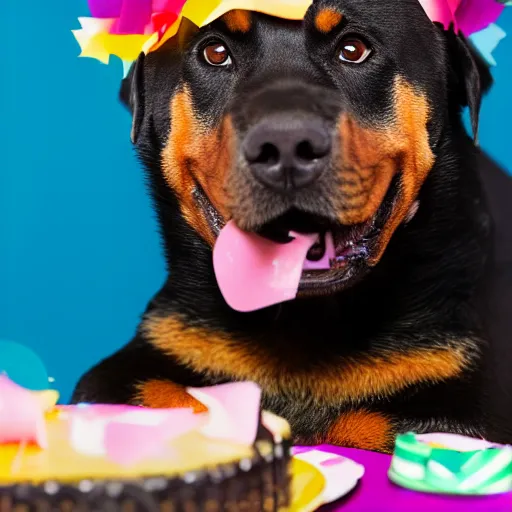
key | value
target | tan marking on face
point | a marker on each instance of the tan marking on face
(164, 394)
(237, 20)
(371, 158)
(327, 20)
(343, 380)
(366, 173)
(195, 154)
(413, 113)
(363, 430)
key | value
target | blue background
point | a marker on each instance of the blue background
(79, 252)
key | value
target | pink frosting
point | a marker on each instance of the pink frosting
(95, 411)
(127, 435)
(21, 415)
(233, 411)
(127, 441)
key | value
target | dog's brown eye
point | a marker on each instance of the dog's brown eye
(354, 50)
(216, 54)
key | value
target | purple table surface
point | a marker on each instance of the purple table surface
(376, 493)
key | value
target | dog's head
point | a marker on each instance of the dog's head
(329, 125)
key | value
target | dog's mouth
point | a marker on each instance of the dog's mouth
(330, 257)
(339, 253)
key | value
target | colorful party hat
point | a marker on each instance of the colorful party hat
(125, 28)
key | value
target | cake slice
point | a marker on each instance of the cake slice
(117, 458)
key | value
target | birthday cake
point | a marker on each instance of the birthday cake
(99, 457)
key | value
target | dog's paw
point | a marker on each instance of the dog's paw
(164, 394)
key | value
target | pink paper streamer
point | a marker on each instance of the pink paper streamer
(134, 17)
(476, 15)
(467, 16)
(105, 8)
(440, 11)
(137, 16)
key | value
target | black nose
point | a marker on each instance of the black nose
(286, 152)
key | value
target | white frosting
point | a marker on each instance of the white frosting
(87, 436)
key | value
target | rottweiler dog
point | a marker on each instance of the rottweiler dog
(350, 122)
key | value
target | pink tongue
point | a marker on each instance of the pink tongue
(254, 272)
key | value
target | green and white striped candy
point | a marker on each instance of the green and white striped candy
(422, 467)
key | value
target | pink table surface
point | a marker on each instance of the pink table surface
(376, 493)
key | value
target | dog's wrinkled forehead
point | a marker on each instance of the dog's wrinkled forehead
(266, 50)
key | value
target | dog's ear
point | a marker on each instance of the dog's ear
(132, 95)
(470, 76)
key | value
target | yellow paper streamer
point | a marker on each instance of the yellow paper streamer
(287, 9)
(203, 12)
(153, 44)
(96, 41)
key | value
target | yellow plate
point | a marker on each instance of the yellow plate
(308, 485)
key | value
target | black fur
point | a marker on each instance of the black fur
(447, 275)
